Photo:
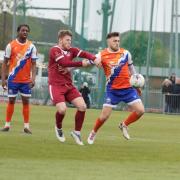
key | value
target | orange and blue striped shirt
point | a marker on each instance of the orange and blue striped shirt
(20, 57)
(115, 65)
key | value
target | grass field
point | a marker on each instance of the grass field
(153, 153)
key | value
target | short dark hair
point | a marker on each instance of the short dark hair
(63, 33)
(112, 34)
(23, 25)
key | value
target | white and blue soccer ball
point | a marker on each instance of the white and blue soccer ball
(137, 80)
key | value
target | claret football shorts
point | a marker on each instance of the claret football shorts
(63, 93)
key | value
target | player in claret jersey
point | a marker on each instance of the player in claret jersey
(61, 88)
(20, 59)
(118, 67)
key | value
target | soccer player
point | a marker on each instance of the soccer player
(61, 87)
(118, 66)
(20, 61)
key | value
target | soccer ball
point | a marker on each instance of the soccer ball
(137, 80)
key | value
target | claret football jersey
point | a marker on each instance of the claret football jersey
(59, 57)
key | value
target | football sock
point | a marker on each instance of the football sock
(9, 112)
(98, 124)
(79, 119)
(59, 119)
(131, 118)
(78, 132)
(7, 124)
(25, 113)
(26, 125)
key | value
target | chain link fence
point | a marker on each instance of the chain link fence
(171, 103)
(157, 102)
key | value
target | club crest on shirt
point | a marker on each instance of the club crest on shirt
(57, 54)
(113, 63)
(121, 55)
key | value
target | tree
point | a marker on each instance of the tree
(136, 43)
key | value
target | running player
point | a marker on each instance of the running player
(61, 87)
(118, 67)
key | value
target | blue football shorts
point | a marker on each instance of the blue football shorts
(115, 96)
(14, 88)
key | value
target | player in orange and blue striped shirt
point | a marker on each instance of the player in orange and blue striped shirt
(118, 66)
(20, 56)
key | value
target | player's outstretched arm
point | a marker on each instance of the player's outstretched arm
(85, 63)
(32, 84)
(4, 70)
(65, 63)
(132, 69)
(83, 54)
(61, 60)
(97, 62)
(87, 55)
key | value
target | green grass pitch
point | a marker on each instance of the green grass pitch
(153, 153)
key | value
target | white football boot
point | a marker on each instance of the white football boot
(124, 130)
(91, 137)
(77, 138)
(60, 135)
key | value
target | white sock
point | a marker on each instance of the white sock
(7, 124)
(77, 132)
(26, 125)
